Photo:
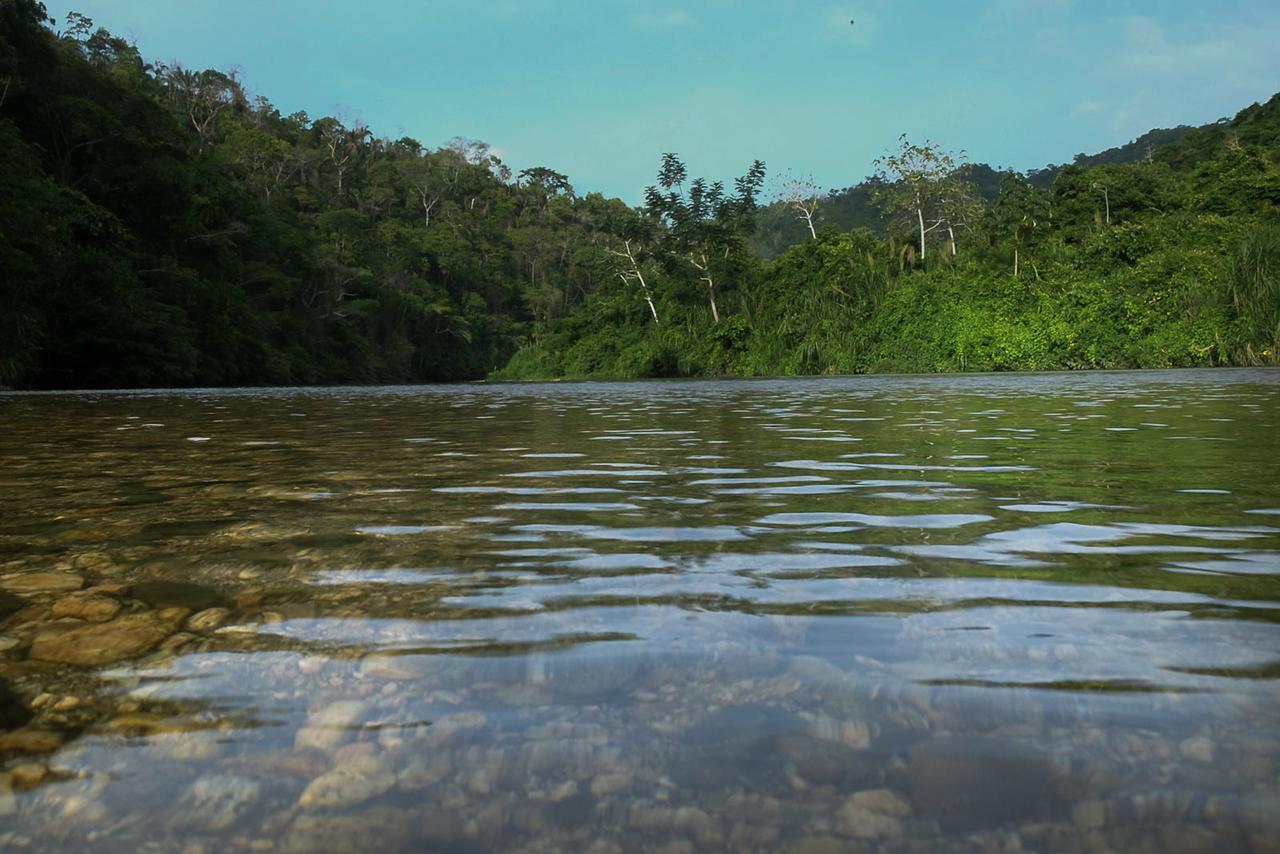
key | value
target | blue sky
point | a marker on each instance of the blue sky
(598, 89)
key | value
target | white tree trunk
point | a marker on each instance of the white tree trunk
(920, 216)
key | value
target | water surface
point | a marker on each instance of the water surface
(898, 613)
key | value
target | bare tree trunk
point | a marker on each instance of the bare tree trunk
(920, 216)
(637, 274)
(808, 220)
(705, 267)
(951, 235)
(1015, 262)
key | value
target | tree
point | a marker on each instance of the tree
(1018, 214)
(704, 223)
(911, 180)
(201, 96)
(802, 196)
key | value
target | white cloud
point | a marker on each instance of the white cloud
(1148, 51)
(676, 19)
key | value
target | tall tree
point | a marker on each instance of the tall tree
(911, 182)
(703, 224)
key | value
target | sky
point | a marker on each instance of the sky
(599, 89)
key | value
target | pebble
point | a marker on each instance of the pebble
(94, 609)
(328, 728)
(28, 775)
(1197, 749)
(215, 803)
(208, 619)
(30, 741)
(872, 814)
(348, 784)
(104, 643)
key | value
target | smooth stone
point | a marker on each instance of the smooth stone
(1197, 749)
(822, 762)
(8, 643)
(94, 609)
(28, 775)
(103, 643)
(872, 814)
(182, 594)
(42, 582)
(30, 741)
(209, 618)
(974, 783)
(329, 727)
(215, 803)
(607, 784)
(348, 784)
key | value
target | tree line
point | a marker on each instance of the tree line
(165, 226)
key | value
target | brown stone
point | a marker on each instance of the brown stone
(41, 582)
(103, 643)
(30, 741)
(208, 619)
(94, 609)
(28, 775)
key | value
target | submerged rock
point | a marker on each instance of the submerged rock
(348, 784)
(215, 803)
(872, 814)
(30, 741)
(208, 619)
(41, 582)
(329, 727)
(94, 609)
(103, 643)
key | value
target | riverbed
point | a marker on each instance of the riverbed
(916, 614)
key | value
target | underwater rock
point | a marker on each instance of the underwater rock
(41, 582)
(348, 784)
(872, 814)
(215, 803)
(30, 741)
(93, 609)
(208, 619)
(103, 643)
(329, 727)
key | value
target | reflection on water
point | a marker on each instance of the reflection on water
(900, 614)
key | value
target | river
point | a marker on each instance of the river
(917, 614)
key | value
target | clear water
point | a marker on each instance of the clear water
(901, 613)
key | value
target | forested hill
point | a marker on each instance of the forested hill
(857, 207)
(163, 226)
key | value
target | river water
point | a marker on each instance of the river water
(979, 613)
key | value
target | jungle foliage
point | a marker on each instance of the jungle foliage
(162, 226)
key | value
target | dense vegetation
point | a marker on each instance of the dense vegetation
(161, 226)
